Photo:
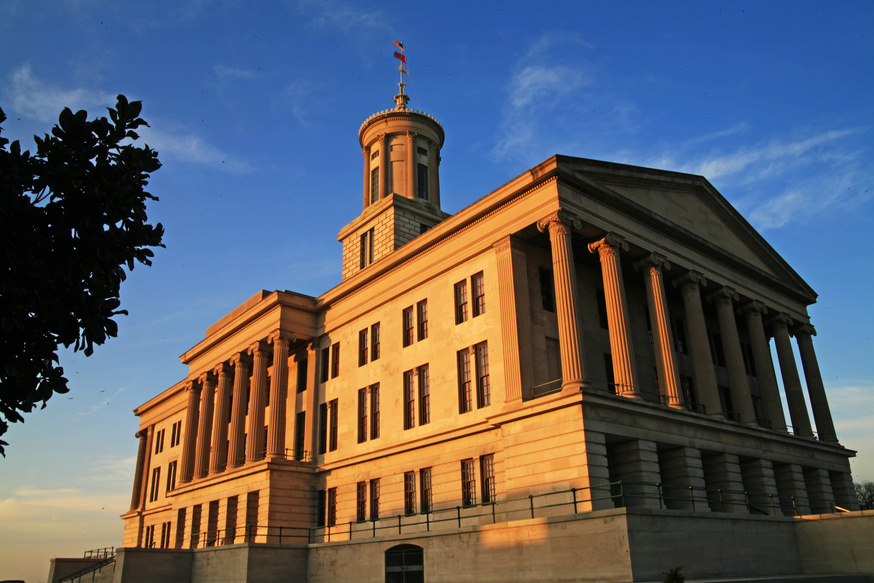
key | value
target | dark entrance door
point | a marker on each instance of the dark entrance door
(404, 564)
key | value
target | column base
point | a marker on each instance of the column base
(572, 387)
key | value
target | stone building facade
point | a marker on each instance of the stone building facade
(587, 345)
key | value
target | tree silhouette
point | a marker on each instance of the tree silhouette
(72, 217)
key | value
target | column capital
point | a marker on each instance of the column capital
(652, 260)
(503, 245)
(723, 294)
(256, 347)
(193, 386)
(278, 336)
(805, 329)
(206, 377)
(142, 433)
(754, 307)
(239, 358)
(222, 368)
(691, 279)
(780, 322)
(560, 219)
(610, 244)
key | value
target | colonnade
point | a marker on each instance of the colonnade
(560, 226)
(211, 444)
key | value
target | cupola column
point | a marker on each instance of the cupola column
(767, 377)
(741, 397)
(825, 427)
(791, 380)
(218, 455)
(257, 399)
(204, 429)
(410, 147)
(366, 153)
(434, 174)
(663, 345)
(621, 348)
(702, 360)
(559, 226)
(384, 165)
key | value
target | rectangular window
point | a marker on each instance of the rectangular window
(483, 389)
(408, 326)
(424, 395)
(366, 249)
(547, 290)
(302, 374)
(465, 390)
(374, 184)
(321, 507)
(149, 541)
(374, 342)
(716, 351)
(422, 320)
(374, 499)
(176, 434)
(487, 475)
(468, 483)
(422, 184)
(361, 501)
(325, 364)
(323, 427)
(159, 441)
(409, 493)
(300, 424)
(553, 359)
(362, 415)
(171, 475)
(335, 360)
(156, 484)
(679, 330)
(409, 401)
(461, 302)
(332, 507)
(425, 488)
(602, 309)
(165, 534)
(362, 347)
(479, 294)
(332, 438)
(374, 411)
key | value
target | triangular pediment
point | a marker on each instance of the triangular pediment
(684, 207)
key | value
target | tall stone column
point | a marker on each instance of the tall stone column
(257, 400)
(278, 395)
(236, 454)
(621, 347)
(825, 427)
(366, 153)
(741, 396)
(384, 166)
(411, 185)
(767, 377)
(559, 226)
(699, 344)
(791, 380)
(218, 455)
(204, 430)
(514, 305)
(434, 174)
(311, 438)
(142, 449)
(192, 414)
(663, 345)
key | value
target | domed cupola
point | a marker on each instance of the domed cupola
(401, 148)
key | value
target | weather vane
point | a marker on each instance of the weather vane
(401, 98)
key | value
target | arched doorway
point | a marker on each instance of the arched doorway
(404, 564)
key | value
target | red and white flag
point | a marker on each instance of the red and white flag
(402, 58)
(399, 45)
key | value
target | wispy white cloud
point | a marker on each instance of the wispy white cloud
(299, 95)
(343, 16)
(233, 73)
(854, 416)
(191, 148)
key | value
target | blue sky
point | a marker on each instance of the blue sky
(255, 109)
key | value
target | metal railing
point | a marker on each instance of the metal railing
(104, 553)
(546, 388)
(106, 556)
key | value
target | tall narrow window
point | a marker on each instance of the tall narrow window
(332, 438)
(302, 373)
(409, 493)
(374, 342)
(366, 249)
(408, 326)
(361, 501)
(323, 427)
(156, 485)
(425, 488)
(332, 506)
(321, 507)
(335, 360)
(171, 476)
(602, 309)
(461, 302)
(409, 401)
(468, 483)
(479, 294)
(159, 441)
(374, 499)
(300, 424)
(374, 411)
(424, 395)
(422, 320)
(465, 390)
(362, 415)
(362, 347)
(679, 330)
(547, 290)
(422, 182)
(325, 364)
(374, 184)
(487, 474)
(483, 389)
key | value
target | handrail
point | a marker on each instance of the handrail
(87, 570)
